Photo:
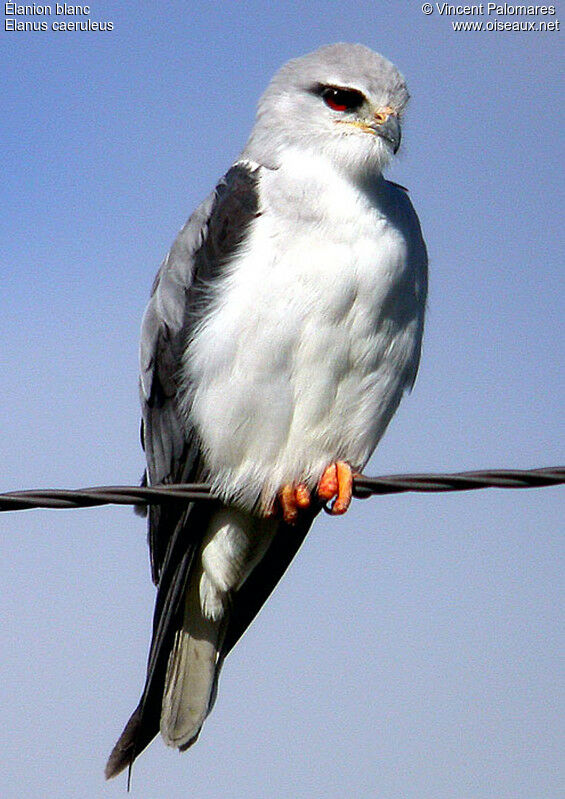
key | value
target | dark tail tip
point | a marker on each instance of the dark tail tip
(124, 752)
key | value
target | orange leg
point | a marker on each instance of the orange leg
(337, 481)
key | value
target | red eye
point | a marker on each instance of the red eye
(342, 99)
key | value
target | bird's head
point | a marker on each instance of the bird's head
(343, 102)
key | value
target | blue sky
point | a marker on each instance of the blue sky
(412, 651)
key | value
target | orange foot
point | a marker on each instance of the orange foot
(337, 481)
(292, 498)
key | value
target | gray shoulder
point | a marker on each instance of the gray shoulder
(165, 311)
(199, 252)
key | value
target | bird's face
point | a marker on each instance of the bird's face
(343, 102)
(356, 114)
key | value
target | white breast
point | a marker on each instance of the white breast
(308, 346)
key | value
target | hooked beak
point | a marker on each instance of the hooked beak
(387, 126)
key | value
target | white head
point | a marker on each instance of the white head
(342, 101)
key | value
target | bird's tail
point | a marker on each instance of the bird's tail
(193, 626)
(190, 682)
(169, 619)
(192, 673)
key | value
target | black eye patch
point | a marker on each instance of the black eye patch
(341, 99)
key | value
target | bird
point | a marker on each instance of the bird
(283, 328)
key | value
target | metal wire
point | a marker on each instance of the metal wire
(363, 487)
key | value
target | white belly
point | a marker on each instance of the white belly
(306, 351)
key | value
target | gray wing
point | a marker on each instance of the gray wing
(178, 301)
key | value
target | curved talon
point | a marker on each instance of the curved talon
(327, 508)
(337, 481)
